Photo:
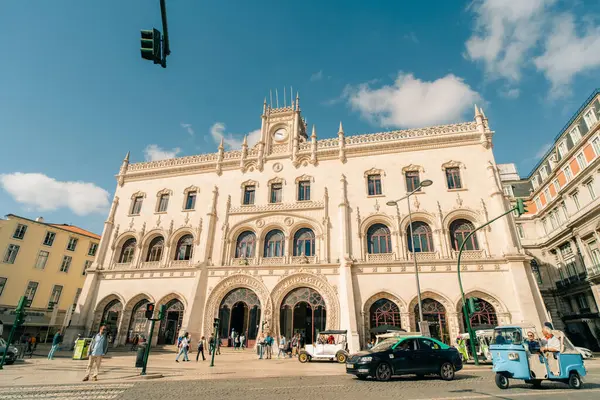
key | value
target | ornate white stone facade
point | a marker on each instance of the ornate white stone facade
(349, 266)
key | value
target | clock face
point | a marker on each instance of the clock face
(280, 135)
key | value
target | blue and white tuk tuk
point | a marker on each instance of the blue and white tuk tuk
(515, 356)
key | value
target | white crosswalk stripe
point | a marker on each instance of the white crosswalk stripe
(67, 392)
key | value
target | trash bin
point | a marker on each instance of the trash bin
(139, 357)
(80, 352)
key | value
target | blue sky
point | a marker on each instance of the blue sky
(76, 96)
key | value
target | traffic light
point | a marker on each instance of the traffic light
(162, 310)
(474, 305)
(20, 311)
(151, 46)
(216, 323)
(521, 207)
(149, 310)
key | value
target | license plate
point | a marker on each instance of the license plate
(348, 365)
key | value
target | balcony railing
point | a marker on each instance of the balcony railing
(571, 280)
(593, 271)
(468, 254)
(424, 256)
(381, 257)
(304, 260)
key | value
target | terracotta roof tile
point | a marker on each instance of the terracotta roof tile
(76, 229)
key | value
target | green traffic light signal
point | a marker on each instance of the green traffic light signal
(521, 207)
(474, 305)
(151, 45)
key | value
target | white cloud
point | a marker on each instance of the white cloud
(153, 152)
(567, 53)
(411, 102)
(505, 32)
(317, 76)
(42, 193)
(512, 35)
(232, 141)
(188, 128)
(543, 150)
(412, 37)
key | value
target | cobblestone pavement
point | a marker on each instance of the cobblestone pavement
(75, 392)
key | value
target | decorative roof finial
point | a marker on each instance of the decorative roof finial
(127, 156)
(265, 106)
(314, 132)
(245, 143)
(341, 128)
(477, 113)
(222, 145)
(297, 102)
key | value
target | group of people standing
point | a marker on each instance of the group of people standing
(287, 348)
(184, 344)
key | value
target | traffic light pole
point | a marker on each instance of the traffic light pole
(161, 315)
(19, 311)
(163, 14)
(462, 293)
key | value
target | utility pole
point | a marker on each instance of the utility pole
(19, 320)
(161, 314)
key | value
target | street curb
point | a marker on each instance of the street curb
(147, 376)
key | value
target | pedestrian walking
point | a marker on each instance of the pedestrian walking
(242, 341)
(269, 345)
(211, 344)
(97, 350)
(184, 346)
(201, 345)
(282, 344)
(260, 344)
(56, 341)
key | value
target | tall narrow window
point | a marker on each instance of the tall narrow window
(42, 258)
(553, 220)
(190, 200)
(590, 187)
(55, 296)
(535, 182)
(249, 192)
(543, 172)
(2, 284)
(374, 185)
(575, 197)
(11, 254)
(185, 247)
(276, 190)
(594, 252)
(163, 203)
(568, 173)
(66, 264)
(379, 239)
(535, 269)
(453, 178)
(49, 238)
(155, 249)
(520, 231)
(547, 195)
(246, 245)
(30, 292)
(590, 118)
(596, 145)
(581, 161)
(564, 209)
(545, 225)
(412, 180)
(20, 231)
(92, 249)
(86, 265)
(127, 251)
(303, 190)
(562, 148)
(538, 203)
(422, 237)
(575, 135)
(136, 206)
(556, 185)
(72, 244)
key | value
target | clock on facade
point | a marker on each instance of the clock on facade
(280, 135)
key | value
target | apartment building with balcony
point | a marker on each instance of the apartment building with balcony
(561, 231)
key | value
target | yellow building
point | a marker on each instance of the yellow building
(46, 263)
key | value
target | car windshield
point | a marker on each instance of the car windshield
(507, 336)
(385, 344)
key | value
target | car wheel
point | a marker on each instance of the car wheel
(501, 381)
(303, 357)
(575, 381)
(383, 372)
(362, 377)
(447, 371)
(341, 357)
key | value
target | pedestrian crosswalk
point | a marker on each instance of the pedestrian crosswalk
(76, 392)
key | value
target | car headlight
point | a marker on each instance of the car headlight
(513, 356)
(366, 359)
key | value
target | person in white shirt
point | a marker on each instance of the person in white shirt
(183, 348)
(551, 347)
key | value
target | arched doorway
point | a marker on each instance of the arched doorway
(485, 318)
(434, 313)
(110, 318)
(303, 311)
(171, 324)
(240, 311)
(384, 314)
(138, 324)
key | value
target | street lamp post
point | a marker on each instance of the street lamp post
(425, 183)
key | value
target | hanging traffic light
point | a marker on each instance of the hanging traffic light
(149, 310)
(474, 305)
(151, 45)
(162, 311)
(521, 207)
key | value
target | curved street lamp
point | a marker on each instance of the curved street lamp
(425, 183)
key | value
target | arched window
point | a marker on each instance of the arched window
(246, 243)
(127, 251)
(384, 313)
(155, 249)
(304, 243)
(184, 248)
(459, 230)
(485, 317)
(422, 237)
(379, 239)
(274, 242)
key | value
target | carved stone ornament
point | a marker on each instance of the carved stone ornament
(138, 194)
(115, 236)
(191, 189)
(459, 200)
(164, 191)
(413, 167)
(453, 164)
(288, 221)
(374, 171)
(277, 167)
(303, 178)
(249, 182)
(260, 223)
(158, 221)
(276, 180)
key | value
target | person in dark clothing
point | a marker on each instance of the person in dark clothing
(201, 344)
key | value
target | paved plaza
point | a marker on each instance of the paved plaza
(241, 374)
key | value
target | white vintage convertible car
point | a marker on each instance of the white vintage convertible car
(323, 349)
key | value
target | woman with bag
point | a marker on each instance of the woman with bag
(183, 348)
(201, 345)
